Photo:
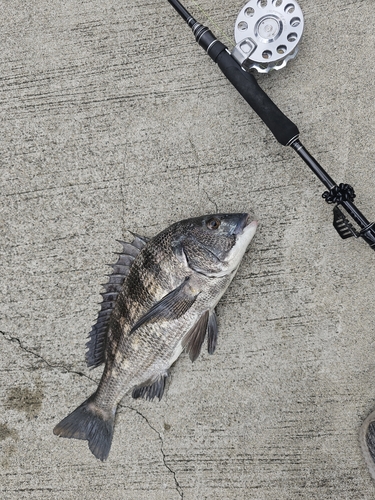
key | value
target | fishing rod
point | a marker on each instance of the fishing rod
(267, 33)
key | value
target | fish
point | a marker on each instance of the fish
(159, 301)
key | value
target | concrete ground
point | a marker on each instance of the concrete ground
(113, 119)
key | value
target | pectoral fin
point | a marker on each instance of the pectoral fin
(174, 305)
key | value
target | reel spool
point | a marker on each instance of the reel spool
(267, 34)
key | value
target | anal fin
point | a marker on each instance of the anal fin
(149, 392)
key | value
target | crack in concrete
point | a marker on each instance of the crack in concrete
(195, 153)
(178, 486)
(10, 338)
(50, 365)
(211, 200)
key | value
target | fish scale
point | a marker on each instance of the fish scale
(160, 300)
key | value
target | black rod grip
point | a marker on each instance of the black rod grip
(282, 128)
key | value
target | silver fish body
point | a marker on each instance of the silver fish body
(159, 301)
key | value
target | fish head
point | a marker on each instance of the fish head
(215, 244)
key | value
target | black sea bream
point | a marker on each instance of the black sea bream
(159, 301)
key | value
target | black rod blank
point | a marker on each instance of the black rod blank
(181, 10)
(313, 164)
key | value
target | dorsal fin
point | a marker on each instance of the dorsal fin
(97, 336)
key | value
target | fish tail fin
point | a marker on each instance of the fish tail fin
(92, 423)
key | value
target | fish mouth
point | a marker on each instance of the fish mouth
(244, 222)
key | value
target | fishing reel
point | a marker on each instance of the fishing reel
(267, 34)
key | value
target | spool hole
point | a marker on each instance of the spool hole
(242, 26)
(277, 3)
(262, 3)
(289, 9)
(292, 37)
(295, 22)
(281, 49)
(267, 54)
(249, 12)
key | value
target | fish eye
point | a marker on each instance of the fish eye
(213, 223)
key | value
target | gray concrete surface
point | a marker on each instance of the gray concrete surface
(112, 119)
